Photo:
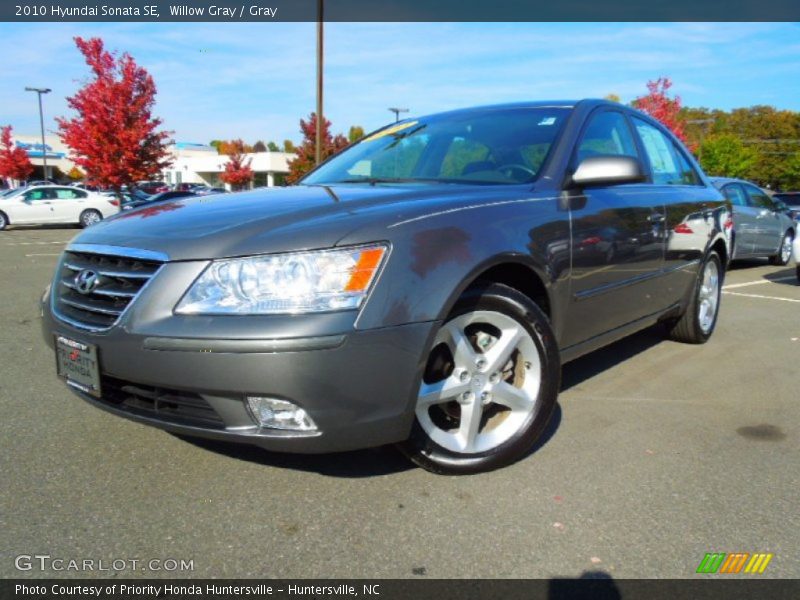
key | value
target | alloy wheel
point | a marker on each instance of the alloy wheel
(481, 383)
(786, 249)
(708, 300)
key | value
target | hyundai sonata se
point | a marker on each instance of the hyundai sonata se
(423, 287)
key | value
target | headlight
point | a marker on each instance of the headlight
(301, 282)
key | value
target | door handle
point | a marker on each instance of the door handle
(762, 213)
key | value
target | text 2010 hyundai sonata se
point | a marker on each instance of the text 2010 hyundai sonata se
(422, 287)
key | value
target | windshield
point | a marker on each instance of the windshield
(492, 146)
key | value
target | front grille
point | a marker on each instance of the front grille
(173, 406)
(119, 280)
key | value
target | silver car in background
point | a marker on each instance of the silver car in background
(761, 227)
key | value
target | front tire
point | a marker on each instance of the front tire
(490, 384)
(699, 319)
(90, 217)
(3, 221)
(784, 254)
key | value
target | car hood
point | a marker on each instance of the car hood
(271, 220)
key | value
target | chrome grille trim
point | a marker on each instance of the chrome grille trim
(119, 251)
(122, 277)
(109, 272)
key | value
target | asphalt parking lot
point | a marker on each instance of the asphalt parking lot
(659, 452)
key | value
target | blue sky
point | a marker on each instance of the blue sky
(254, 81)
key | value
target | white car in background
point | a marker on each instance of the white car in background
(796, 252)
(55, 204)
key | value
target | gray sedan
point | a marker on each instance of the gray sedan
(761, 226)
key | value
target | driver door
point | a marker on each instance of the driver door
(35, 206)
(617, 239)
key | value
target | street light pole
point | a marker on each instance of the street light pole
(397, 112)
(320, 117)
(39, 92)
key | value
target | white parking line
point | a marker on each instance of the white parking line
(33, 243)
(45, 254)
(760, 296)
(759, 282)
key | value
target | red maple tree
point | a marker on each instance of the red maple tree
(305, 153)
(14, 161)
(237, 171)
(658, 104)
(114, 138)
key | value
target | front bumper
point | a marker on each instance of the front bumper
(359, 387)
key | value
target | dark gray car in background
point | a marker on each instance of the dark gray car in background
(423, 287)
(762, 227)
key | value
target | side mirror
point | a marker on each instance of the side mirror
(607, 170)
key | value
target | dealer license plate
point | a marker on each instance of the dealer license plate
(76, 363)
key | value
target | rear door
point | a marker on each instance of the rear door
(68, 204)
(617, 239)
(745, 223)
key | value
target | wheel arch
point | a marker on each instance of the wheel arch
(516, 271)
(721, 248)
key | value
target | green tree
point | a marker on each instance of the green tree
(273, 147)
(726, 155)
(356, 133)
(289, 147)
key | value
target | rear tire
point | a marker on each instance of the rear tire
(699, 319)
(3, 221)
(90, 217)
(489, 387)
(784, 254)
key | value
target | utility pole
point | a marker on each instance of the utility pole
(320, 117)
(397, 112)
(39, 92)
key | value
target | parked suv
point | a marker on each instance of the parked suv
(420, 287)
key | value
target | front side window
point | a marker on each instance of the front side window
(667, 164)
(37, 195)
(607, 133)
(491, 146)
(758, 198)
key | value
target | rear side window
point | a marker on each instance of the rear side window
(68, 194)
(735, 194)
(607, 133)
(669, 166)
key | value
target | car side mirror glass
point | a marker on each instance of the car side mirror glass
(608, 170)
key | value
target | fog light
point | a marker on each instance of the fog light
(279, 414)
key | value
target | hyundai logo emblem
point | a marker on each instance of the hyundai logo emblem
(86, 281)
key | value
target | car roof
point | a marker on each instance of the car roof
(526, 104)
(721, 181)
